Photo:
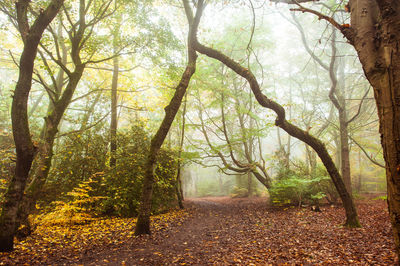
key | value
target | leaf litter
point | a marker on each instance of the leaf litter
(221, 231)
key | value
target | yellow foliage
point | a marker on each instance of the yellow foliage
(74, 234)
(64, 214)
(73, 212)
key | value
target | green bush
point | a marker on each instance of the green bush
(86, 156)
(298, 188)
(76, 159)
(381, 198)
(122, 184)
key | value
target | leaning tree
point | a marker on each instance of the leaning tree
(143, 223)
(282, 122)
(374, 31)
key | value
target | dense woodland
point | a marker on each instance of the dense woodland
(117, 116)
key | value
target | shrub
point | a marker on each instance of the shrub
(85, 157)
(79, 209)
(122, 184)
(298, 188)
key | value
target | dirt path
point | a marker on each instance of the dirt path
(227, 231)
(207, 236)
(245, 231)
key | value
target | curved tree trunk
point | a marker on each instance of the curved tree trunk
(317, 145)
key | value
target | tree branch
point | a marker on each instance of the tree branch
(348, 32)
(366, 153)
(359, 108)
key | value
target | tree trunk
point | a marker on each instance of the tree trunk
(311, 160)
(344, 126)
(42, 164)
(114, 101)
(56, 110)
(45, 150)
(178, 187)
(143, 221)
(375, 33)
(178, 181)
(345, 150)
(338, 100)
(338, 154)
(359, 181)
(388, 98)
(24, 147)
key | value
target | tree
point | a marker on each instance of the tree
(240, 151)
(337, 95)
(316, 144)
(31, 35)
(374, 31)
(143, 222)
(178, 181)
(80, 35)
(114, 96)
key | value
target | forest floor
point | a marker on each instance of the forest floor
(221, 231)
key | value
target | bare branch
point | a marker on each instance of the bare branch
(359, 108)
(366, 153)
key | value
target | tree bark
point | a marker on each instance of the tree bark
(143, 221)
(23, 143)
(345, 150)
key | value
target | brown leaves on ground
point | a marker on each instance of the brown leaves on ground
(220, 231)
(58, 244)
